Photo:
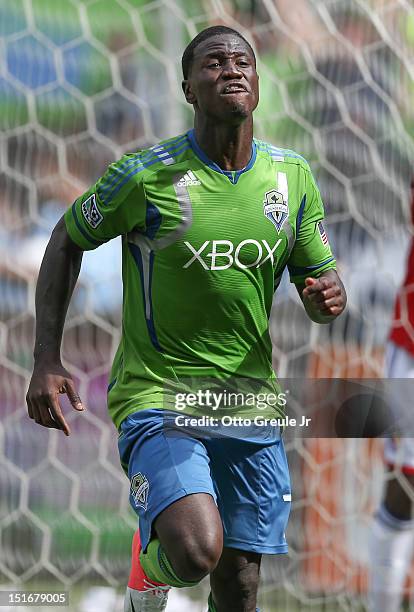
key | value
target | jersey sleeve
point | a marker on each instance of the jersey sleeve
(113, 206)
(311, 254)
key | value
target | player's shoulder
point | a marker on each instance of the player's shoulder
(166, 152)
(137, 166)
(277, 154)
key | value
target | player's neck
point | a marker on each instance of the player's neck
(229, 146)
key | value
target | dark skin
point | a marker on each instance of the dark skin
(57, 279)
(324, 298)
(223, 88)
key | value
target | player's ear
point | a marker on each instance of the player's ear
(189, 95)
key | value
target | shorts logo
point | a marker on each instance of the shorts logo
(91, 212)
(139, 490)
(275, 208)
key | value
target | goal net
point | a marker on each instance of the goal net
(83, 81)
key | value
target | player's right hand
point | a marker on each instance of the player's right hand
(43, 396)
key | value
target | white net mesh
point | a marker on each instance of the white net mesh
(80, 83)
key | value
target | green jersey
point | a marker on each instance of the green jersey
(203, 252)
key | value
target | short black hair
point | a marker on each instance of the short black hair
(188, 55)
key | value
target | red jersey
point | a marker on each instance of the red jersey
(402, 331)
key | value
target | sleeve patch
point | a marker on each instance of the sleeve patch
(91, 213)
(323, 234)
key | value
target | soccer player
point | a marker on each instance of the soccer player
(209, 220)
(392, 535)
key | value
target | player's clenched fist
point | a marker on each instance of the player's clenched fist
(324, 297)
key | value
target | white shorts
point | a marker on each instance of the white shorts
(399, 452)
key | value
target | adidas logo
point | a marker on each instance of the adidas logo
(189, 178)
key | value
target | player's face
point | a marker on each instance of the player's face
(223, 82)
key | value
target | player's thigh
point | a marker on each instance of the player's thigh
(235, 580)
(171, 487)
(191, 533)
(253, 493)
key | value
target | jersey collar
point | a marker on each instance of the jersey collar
(232, 175)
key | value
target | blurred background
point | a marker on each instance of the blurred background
(81, 82)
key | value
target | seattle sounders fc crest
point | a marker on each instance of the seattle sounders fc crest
(139, 490)
(275, 208)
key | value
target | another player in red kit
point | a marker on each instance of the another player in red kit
(392, 537)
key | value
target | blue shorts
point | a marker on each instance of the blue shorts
(249, 481)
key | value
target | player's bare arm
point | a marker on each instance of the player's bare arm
(324, 298)
(57, 278)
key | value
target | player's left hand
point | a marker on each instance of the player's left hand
(325, 294)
